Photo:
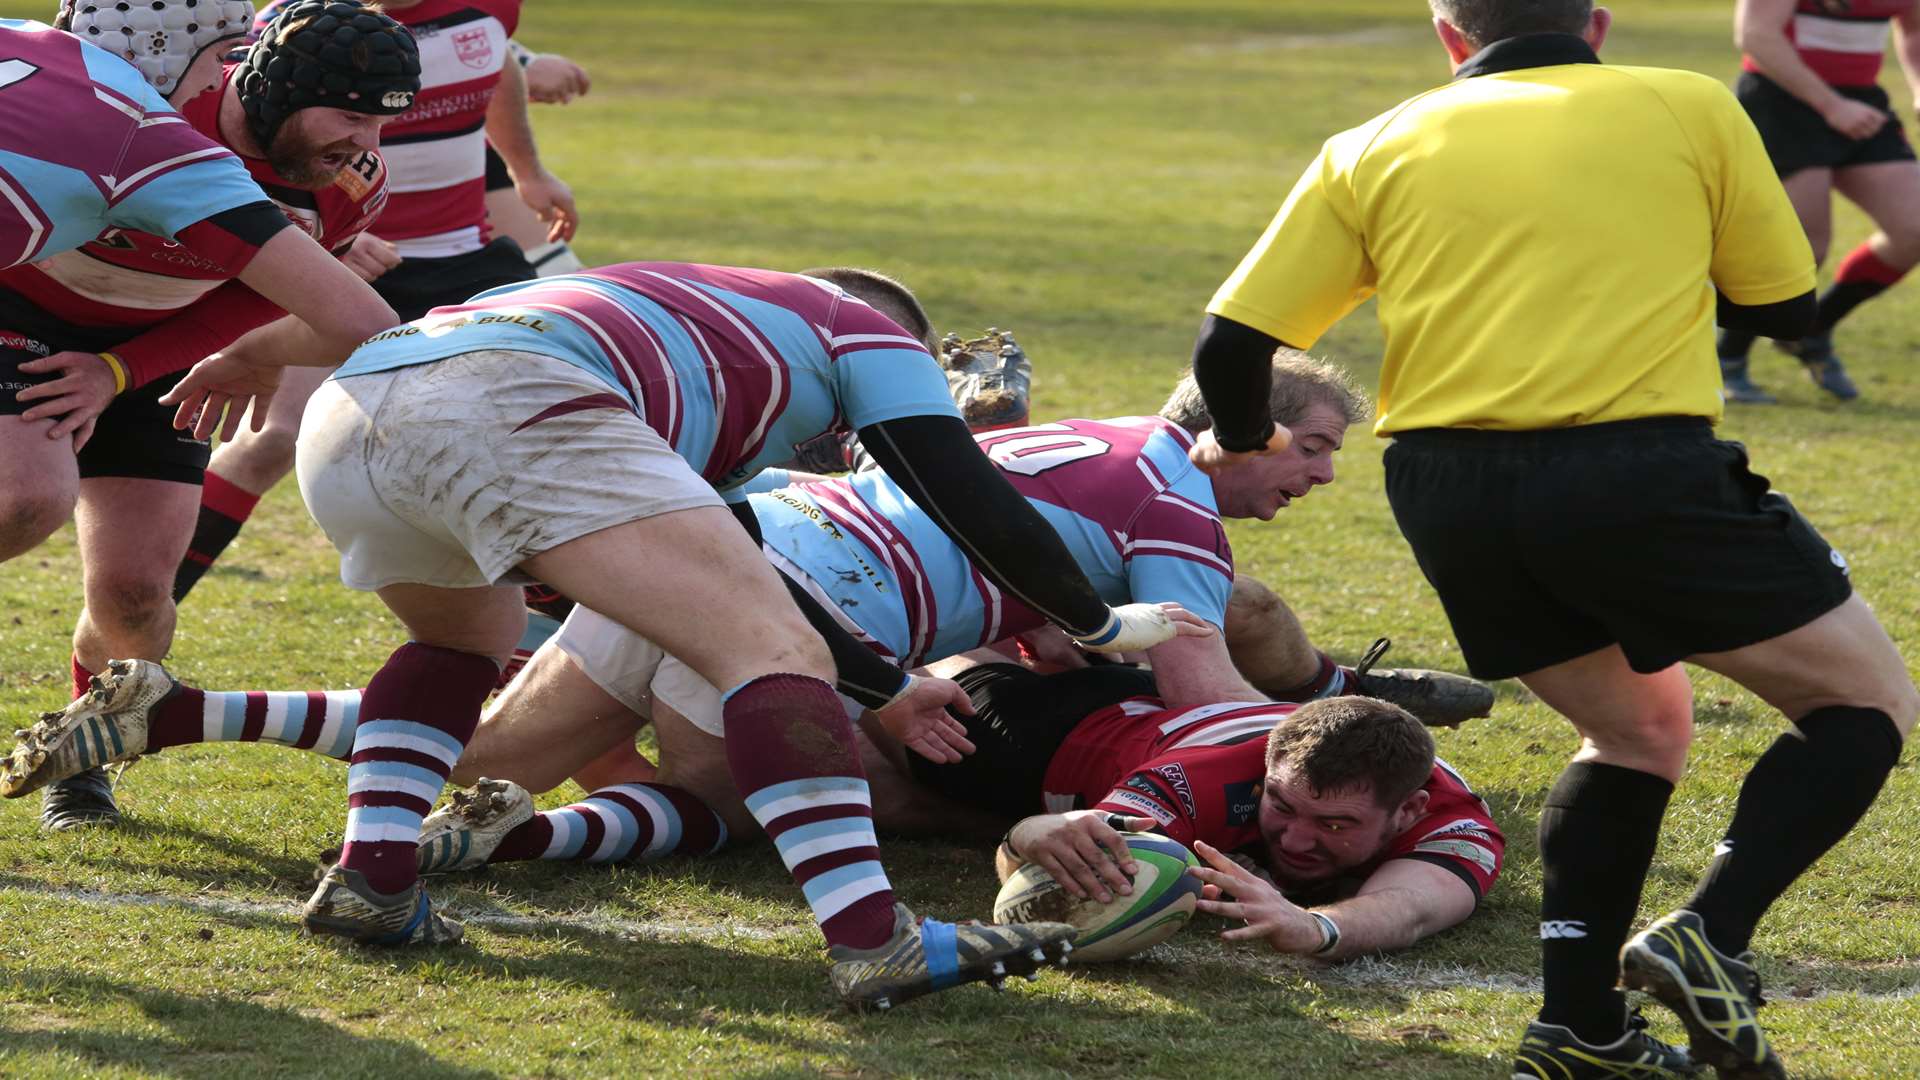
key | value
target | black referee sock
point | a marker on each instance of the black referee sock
(1597, 836)
(1733, 344)
(1802, 796)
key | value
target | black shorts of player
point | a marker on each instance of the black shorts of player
(1651, 534)
(1020, 718)
(134, 436)
(498, 178)
(417, 286)
(1797, 138)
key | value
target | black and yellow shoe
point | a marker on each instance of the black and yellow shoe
(1552, 1052)
(925, 955)
(1713, 994)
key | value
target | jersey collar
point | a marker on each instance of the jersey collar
(1528, 51)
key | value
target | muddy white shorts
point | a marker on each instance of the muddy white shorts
(636, 672)
(453, 473)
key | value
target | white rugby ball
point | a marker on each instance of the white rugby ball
(1162, 902)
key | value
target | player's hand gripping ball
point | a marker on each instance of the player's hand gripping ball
(1162, 902)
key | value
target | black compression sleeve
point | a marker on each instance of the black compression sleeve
(936, 462)
(255, 223)
(1233, 363)
(862, 674)
(1788, 320)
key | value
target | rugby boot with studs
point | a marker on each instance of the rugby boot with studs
(106, 724)
(1823, 367)
(85, 798)
(344, 905)
(1715, 995)
(463, 834)
(927, 955)
(1552, 1052)
(1436, 698)
(989, 377)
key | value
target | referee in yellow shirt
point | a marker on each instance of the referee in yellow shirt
(1549, 239)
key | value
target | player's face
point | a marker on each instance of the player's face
(312, 148)
(1259, 486)
(1312, 836)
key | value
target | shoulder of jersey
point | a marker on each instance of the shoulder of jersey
(365, 180)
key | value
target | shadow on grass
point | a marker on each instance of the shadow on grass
(216, 1036)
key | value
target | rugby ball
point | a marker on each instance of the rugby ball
(1162, 901)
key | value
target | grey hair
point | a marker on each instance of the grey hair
(1483, 22)
(1300, 382)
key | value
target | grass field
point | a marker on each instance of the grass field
(1084, 173)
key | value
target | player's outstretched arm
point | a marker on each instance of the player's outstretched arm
(511, 134)
(1403, 901)
(308, 283)
(936, 462)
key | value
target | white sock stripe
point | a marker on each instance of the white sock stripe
(334, 739)
(274, 727)
(847, 895)
(798, 853)
(658, 810)
(613, 835)
(413, 786)
(562, 835)
(392, 740)
(213, 719)
(780, 807)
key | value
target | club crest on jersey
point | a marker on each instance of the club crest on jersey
(473, 47)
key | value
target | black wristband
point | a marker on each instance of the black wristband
(1248, 447)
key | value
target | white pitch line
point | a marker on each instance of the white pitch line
(1364, 973)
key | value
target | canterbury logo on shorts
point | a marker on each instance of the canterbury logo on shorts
(1553, 929)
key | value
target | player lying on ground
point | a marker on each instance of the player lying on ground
(132, 296)
(1337, 803)
(550, 431)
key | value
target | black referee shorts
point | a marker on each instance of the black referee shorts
(1020, 718)
(1650, 534)
(417, 286)
(134, 436)
(1797, 138)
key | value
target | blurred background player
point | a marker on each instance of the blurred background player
(1810, 83)
(552, 79)
(433, 245)
(131, 296)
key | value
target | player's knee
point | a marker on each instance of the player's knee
(29, 517)
(259, 459)
(130, 603)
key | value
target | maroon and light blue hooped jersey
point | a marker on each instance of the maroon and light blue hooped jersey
(86, 145)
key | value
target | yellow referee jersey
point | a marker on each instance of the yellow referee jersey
(1543, 233)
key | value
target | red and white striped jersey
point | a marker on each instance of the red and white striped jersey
(1199, 772)
(1843, 41)
(436, 152)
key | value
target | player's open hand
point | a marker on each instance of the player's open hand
(1211, 458)
(1269, 916)
(74, 400)
(551, 200)
(918, 717)
(1083, 853)
(217, 391)
(555, 80)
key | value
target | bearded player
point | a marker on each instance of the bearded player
(433, 245)
(132, 296)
